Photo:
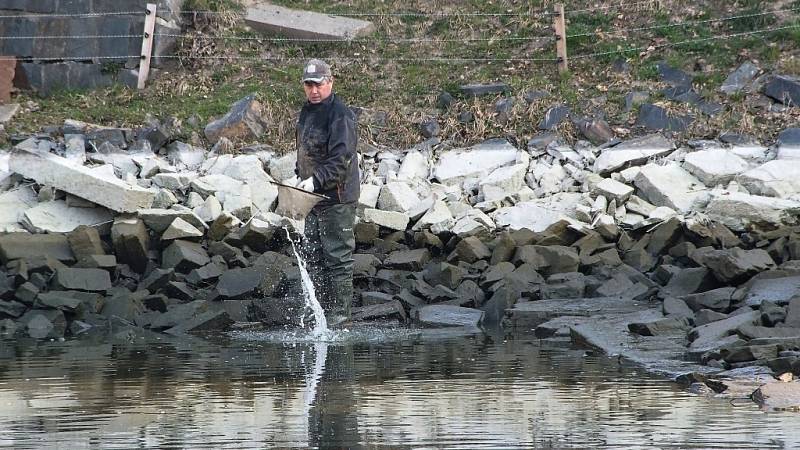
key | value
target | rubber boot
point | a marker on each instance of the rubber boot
(338, 312)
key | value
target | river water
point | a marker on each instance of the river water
(371, 388)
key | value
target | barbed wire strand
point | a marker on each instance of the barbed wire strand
(360, 58)
(680, 24)
(63, 15)
(397, 14)
(359, 41)
(691, 41)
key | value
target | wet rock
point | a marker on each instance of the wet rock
(669, 325)
(246, 282)
(413, 260)
(496, 273)
(444, 274)
(26, 293)
(93, 280)
(131, 242)
(370, 298)
(157, 279)
(205, 274)
(715, 299)
(385, 310)
(449, 316)
(62, 300)
(177, 314)
(772, 314)
(184, 256)
(44, 323)
(749, 353)
(548, 259)
(689, 281)
(705, 316)
(25, 245)
(733, 265)
(792, 313)
(12, 308)
(675, 307)
(564, 285)
(243, 121)
(365, 265)
(8, 328)
(707, 337)
(778, 396)
(778, 290)
(758, 333)
(203, 322)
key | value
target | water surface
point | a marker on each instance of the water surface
(370, 388)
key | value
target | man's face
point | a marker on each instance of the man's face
(317, 92)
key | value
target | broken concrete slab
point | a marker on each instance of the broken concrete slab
(62, 174)
(294, 23)
(632, 152)
(160, 219)
(715, 166)
(777, 178)
(181, 229)
(8, 111)
(741, 212)
(57, 217)
(13, 205)
(388, 219)
(672, 186)
(476, 162)
(538, 215)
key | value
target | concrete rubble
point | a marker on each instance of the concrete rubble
(695, 248)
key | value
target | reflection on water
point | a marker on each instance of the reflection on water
(370, 389)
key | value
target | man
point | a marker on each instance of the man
(327, 164)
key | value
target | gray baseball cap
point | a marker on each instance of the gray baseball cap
(316, 70)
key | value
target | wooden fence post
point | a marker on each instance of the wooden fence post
(560, 28)
(147, 44)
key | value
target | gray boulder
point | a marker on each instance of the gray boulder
(243, 121)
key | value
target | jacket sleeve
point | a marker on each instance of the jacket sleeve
(341, 151)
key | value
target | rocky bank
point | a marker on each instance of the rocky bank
(684, 256)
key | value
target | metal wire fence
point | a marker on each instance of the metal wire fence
(516, 46)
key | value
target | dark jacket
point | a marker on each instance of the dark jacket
(326, 150)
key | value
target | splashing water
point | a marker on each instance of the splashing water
(320, 323)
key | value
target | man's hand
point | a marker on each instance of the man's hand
(307, 184)
(292, 181)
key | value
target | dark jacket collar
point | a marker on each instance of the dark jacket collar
(323, 104)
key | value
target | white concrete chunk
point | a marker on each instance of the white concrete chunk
(7, 111)
(777, 178)
(185, 156)
(670, 185)
(438, 216)
(180, 229)
(56, 171)
(714, 167)
(750, 152)
(741, 212)
(478, 161)
(539, 214)
(508, 180)
(632, 152)
(295, 23)
(159, 219)
(282, 168)
(13, 205)
(637, 205)
(174, 181)
(398, 197)
(209, 210)
(389, 219)
(612, 189)
(415, 165)
(368, 198)
(57, 217)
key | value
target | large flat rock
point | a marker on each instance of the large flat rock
(26, 245)
(632, 152)
(662, 354)
(13, 205)
(62, 174)
(57, 217)
(538, 214)
(777, 178)
(294, 23)
(525, 316)
(672, 186)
